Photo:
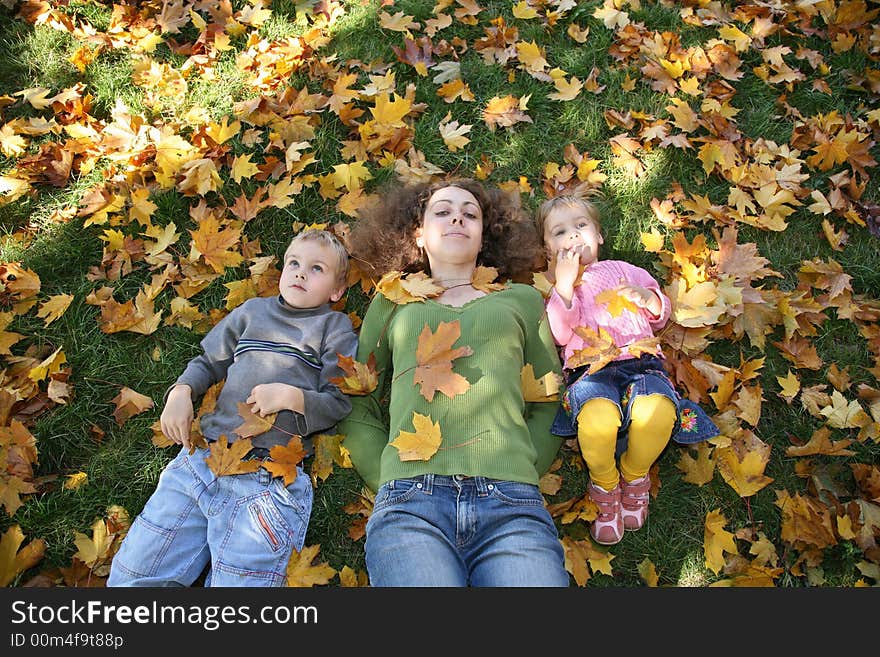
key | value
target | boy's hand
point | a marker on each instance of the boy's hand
(641, 297)
(177, 416)
(268, 398)
(568, 262)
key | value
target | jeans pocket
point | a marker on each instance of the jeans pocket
(517, 493)
(258, 542)
(396, 491)
(144, 548)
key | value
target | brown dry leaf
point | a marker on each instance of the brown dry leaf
(285, 459)
(805, 521)
(421, 444)
(128, 404)
(434, 356)
(14, 561)
(225, 459)
(539, 390)
(820, 443)
(360, 378)
(254, 424)
(302, 573)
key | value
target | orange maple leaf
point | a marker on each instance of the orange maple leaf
(506, 111)
(421, 444)
(225, 459)
(214, 244)
(483, 279)
(285, 459)
(360, 379)
(434, 356)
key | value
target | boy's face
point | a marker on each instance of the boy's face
(308, 278)
(568, 227)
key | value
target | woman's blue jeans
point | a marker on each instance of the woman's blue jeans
(435, 530)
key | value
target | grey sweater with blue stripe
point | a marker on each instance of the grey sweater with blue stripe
(264, 340)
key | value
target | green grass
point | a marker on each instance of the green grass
(123, 465)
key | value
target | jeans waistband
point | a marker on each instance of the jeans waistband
(483, 485)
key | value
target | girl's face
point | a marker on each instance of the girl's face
(569, 227)
(452, 227)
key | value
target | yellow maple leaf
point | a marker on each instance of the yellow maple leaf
(697, 471)
(805, 521)
(505, 111)
(225, 459)
(524, 11)
(350, 175)
(242, 167)
(300, 571)
(390, 110)
(744, 472)
(223, 131)
(406, 289)
(648, 572)
(717, 540)
(791, 386)
(14, 561)
(76, 480)
(421, 444)
(214, 244)
(54, 307)
(483, 278)
(599, 349)
(820, 443)
(97, 549)
(50, 365)
(576, 559)
(539, 390)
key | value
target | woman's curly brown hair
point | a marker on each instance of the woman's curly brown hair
(383, 239)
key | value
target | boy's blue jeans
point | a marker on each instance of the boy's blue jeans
(245, 526)
(435, 530)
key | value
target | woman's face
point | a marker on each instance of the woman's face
(452, 227)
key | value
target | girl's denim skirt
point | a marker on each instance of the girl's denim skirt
(621, 382)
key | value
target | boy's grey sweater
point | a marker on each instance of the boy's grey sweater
(264, 340)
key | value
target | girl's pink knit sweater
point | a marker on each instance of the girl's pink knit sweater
(625, 329)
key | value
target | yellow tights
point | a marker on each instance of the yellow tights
(653, 418)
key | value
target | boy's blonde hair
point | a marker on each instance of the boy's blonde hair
(551, 204)
(328, 239)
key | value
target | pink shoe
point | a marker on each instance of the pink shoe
(607, 528)
(634, 500)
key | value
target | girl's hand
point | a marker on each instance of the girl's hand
(268, 398)
(566, 267)
(640, 296)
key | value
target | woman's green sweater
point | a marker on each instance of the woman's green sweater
(489, 430)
